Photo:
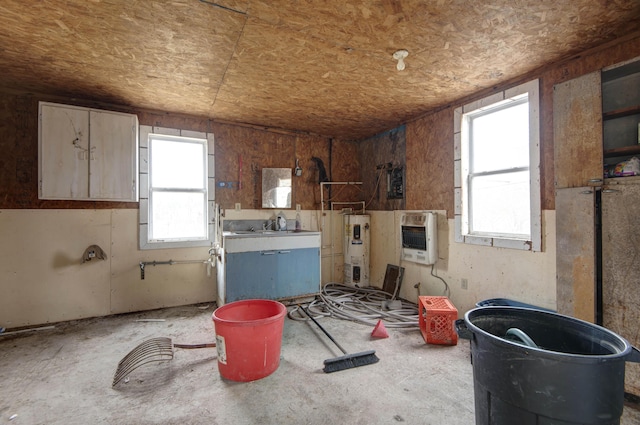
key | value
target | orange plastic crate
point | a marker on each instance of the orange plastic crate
(437, 317)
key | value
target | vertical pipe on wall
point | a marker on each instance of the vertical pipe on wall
(321, 225)
(330, 163)
(239, 171)
(598, 259)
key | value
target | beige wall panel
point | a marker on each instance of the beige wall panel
(490, 272)
(385, 240)
(43, 278)
(501, 273)
(419, 273)
(163, 285)
(384, 245)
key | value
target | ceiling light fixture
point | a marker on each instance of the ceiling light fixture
(399, 56)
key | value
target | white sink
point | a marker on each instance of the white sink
(269, 232)
(244, 241)
(251, 232)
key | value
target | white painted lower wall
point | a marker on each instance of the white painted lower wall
(524, 276)
(42, 279)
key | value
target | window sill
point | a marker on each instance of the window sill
(522, 244)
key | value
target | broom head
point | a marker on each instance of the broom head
(349, 361)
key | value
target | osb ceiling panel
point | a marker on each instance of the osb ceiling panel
(319, 67)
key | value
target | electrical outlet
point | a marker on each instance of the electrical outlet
(238, 206)
(298, 207)
(464, 283)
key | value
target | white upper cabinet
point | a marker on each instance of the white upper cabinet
(87, 154)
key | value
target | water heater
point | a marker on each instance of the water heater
(357, 243)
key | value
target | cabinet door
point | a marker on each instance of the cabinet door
(113, 165)
(575, 252)
(63, 152)
(577, 132)
(298, 272)
(251, 275)
(621, 268)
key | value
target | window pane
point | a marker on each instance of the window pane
(500, 139)
(500, 204)
(177, 164)
(178, 215)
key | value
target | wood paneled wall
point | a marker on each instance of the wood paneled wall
(424, 147)
(254, 148)
(430, 162)
(384, 148)
(429, 142)
(19, 159)
(242, 153)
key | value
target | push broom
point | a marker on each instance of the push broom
(348, 361)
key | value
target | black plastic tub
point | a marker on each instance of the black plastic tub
(541, 368)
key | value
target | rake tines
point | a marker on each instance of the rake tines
(151, 350)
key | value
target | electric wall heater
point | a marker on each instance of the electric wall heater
(419, 237)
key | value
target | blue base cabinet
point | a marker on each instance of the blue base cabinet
(286, 272)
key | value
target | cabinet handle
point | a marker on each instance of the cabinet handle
(610, 190)
(284, 252)
(586, 192)
(595, 180)
(267, 253)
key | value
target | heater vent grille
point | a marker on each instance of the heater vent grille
(418, 237)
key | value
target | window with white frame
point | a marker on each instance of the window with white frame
(177, 188)
(497, 166)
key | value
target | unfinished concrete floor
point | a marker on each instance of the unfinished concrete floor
(63, 376)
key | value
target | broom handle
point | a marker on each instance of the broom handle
(323, 330)
(191, 346)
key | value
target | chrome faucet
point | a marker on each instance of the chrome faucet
(267, 224)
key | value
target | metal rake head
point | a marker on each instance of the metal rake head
(152, 350)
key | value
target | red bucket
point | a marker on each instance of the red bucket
(249, 338)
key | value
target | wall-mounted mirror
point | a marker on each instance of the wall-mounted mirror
(276, 188)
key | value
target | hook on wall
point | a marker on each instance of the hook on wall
(93, 251)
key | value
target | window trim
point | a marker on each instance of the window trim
(144, 206)
(461, 169)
